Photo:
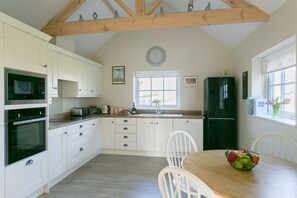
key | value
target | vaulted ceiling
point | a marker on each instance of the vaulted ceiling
(38, 13)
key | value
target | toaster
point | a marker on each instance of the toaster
(79, 111)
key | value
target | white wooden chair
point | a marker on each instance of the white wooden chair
(179, 145)
(194, 187)
(276, 146)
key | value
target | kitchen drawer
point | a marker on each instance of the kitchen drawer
(126, 137)
(79, 126)
(126, 145)
(126, 128)
(78, 155)
(79, 138)
(185, 121)
(126, 121)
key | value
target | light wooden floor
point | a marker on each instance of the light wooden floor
(112, 176)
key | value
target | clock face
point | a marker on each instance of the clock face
(156, 56)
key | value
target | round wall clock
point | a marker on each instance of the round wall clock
(156, 56)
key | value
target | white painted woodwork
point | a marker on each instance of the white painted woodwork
(77, 155)
(1, 75)
(145, 134)
(95, 81)
(163, 127)
(57, 152)
(124, 128)
(1, 160)
(24, 51)
(96, 136)
(79, 138)
(21, 180)
(66, 68)
(83, 71)
(52, 73)
(194, 127)
(108, 133)
(1, 29)
(74, 128)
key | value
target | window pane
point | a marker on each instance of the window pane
(290, 75)
(286, 59)
(144, 98)
(170, 83)
(157, 95)
(157, 83)
(275, 77)
(169, 97)
(144, 84)
(290, 94)
(275, 92)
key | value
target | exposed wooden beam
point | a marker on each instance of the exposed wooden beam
(207, 17)
(125, 7)
(237, 3)
(154, 5)
(109, 6)
(67, 11)
(139, 7)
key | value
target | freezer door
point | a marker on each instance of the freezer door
(219, 134)
(221, 97)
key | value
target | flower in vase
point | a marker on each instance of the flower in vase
(276, 105)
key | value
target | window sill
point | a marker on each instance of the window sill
(284, 121)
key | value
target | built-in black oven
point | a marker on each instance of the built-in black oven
(25, 132)
(23, 87)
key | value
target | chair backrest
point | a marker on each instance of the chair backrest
(175, 182)
(276, 146)
(179, 145)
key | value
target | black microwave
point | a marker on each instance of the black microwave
(22, 87)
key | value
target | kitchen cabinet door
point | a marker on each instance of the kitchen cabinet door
(95, 81)
(96, 136)
(83, 79)
(57, 152)
(145, 134)
(66, 68)
(194, 127)
(24, 51)
(109, 137)
(163, 127)
(26, 176)
(52, 73)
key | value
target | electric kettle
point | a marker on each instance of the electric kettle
(105, 109)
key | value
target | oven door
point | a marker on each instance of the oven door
(24, 138)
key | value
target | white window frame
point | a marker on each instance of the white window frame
(161, 74)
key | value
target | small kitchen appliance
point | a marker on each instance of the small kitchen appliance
(105, 109)
(79, 111)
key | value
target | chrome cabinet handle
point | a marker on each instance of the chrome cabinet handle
(157, 123)
(112, 122)
(125, 137)
(81, 149)
(94, 124)
(92, 90)
(187, 121)
(29, 162)
(55, 87)
(125, 120)
(81, 134)
(79, 89)
(125, 145)
(65, 133)
(45, 66)
(125, 128)
(81, 126)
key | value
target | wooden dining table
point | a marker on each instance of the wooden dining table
(272, 177)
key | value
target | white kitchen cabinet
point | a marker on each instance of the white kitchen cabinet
(52, 73)
(66, 68)
(57, 152)
(145, 134)
(163, 127)
(26, 176)
(80, 137)
(96, 81)
(126, 133)
(152, 134)
(83, 79)
(24, 51)
(194, 127)
(108, 133)
(97, 136)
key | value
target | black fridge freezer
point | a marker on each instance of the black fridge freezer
(220, 131)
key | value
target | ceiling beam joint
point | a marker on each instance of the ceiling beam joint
(125, 7)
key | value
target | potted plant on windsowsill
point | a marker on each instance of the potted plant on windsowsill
(276, 105)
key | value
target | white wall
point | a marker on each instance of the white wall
(189, 50)
(281, 26)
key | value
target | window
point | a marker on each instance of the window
(280, 79)
(162, 86)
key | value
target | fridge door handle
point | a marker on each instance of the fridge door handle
(221, 118)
